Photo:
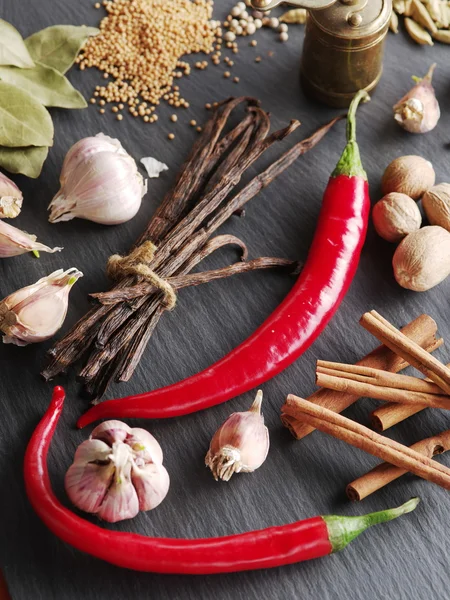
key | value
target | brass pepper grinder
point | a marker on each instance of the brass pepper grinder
(343, 48)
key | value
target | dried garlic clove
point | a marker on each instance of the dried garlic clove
(35, 313)
(418, 33)
(241, 444)
(399, 6)
(10, 198)
(418, 111)
(14, 242)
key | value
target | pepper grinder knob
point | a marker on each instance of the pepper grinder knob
(309, 4)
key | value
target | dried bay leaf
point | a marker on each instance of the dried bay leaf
(23, 119)
(59, 45)
(13, 50)
(27, 161)
(45, 84)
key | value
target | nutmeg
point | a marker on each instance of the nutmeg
(396, 215)
(422, 259)
(410, 175)
(436, 204)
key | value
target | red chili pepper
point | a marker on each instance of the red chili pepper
(260, 549)
(326, 276)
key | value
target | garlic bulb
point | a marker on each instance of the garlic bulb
(117, 472)
(241, 444)
(36, 312)
(418, 111)
(10, 198)
(100, 182)
(13, 242)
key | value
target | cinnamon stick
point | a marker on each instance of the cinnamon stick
(365, 439)
(398, 389)
(411, 352)
(384, 473)
(422, 330)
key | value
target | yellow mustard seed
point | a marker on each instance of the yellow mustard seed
(193, 123)
(171, 136)
(174, 118)
(119, 117)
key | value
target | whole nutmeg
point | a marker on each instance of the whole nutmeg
(436, 204)
(422, 259)
(396, 215)
(410, 175)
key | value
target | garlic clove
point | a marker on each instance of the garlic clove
(100, 182)
(14, 242)
(111, 432)
(121, 502)
(35, 313)
(88, 479)
(145, 446)
(241, 444)
(418, 111)
(10, 198)
(151, 483)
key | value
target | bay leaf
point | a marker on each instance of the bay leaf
(59, 45)
(23, 119)
(45, 84)
(27, 161)
(13, 50)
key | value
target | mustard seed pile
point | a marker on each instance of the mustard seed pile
(142, 43)
(140, 46)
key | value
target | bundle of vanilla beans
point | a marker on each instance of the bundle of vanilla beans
(115, 332)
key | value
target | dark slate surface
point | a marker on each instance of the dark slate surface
(404, 560)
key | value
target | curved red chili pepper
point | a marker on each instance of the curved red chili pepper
(326, 276)
(260, 549)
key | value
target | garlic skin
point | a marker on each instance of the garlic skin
(241, 444)
(117, 472)
(10, 198)
(36, 312)
(14, 242)
(418, 111)
(100, 182)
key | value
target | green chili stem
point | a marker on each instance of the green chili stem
(350, 162)
(342, 530)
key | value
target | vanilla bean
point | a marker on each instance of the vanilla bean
(247, 193)
(181, 281)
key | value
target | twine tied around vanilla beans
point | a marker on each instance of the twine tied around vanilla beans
(136, 263)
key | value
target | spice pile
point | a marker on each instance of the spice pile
(142, 43)
(140, 47)
(425, 20)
